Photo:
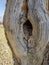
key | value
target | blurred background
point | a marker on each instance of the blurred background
(2, 9)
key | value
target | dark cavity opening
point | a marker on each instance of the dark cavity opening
(27, 28)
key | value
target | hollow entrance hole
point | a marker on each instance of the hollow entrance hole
(27, 28)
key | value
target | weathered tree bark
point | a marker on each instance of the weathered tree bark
(26, 24)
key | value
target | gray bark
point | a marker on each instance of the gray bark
(26, 24)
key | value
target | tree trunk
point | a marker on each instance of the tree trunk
(26, 24)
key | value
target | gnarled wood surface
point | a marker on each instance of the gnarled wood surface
(26, 24)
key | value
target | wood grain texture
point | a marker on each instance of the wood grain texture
(28, 48)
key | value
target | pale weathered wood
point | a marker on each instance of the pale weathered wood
(26, 24)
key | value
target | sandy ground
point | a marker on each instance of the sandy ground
(5, 52)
